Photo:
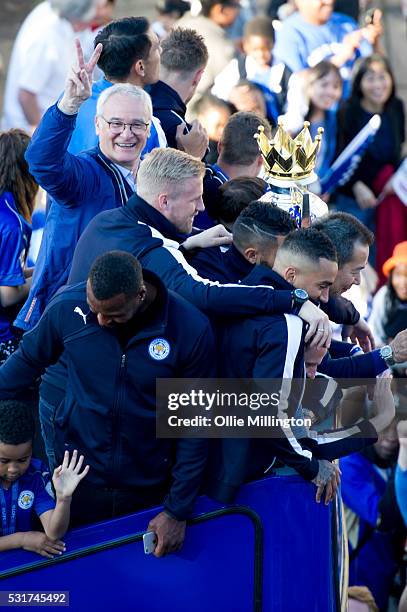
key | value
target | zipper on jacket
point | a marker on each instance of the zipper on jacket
(116, 420)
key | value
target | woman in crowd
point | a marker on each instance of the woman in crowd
(313, 96)
(389, 310)
(373, 92)
(389, 313)
(17, 199)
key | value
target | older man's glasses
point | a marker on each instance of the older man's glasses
(117, 127)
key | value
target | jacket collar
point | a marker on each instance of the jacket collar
(122, 188)
(236, 264)
(142, 211)
(217, 171)
(8, 198)
(159, 323)
(166, 97)
(263, 275)
(100, 85)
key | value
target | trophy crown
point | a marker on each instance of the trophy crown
(287, 158)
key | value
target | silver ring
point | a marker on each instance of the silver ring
(320, 329)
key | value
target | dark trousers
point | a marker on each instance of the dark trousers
(91, 504)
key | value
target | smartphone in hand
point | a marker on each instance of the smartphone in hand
(150, 542)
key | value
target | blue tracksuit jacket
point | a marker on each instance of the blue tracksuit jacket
(143, 231)
(109, 410)
(79, 186)
(268, 347)
(169, 109)
(343, 360)
(220, 264)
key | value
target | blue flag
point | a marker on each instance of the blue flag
(343, 168)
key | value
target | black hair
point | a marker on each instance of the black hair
(360, 69)
(124, 42)
(233, 196)
(16, 422)
(235, 99)
(239, 147)
(208, 101)
(261, 223)
(115, 272)
(207, 5)
(167, 7)
(184, 50)
(345, 231)
(14, 171)
(311, 243)
(260, 26)
(392, 301)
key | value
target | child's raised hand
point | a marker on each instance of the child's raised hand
(67, 476)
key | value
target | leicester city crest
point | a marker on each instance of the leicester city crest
(26, 499)
(159, 349)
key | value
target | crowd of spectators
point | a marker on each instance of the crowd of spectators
(161, 255)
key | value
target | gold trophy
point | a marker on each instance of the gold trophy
(289, 166)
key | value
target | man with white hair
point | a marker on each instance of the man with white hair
(130, 54)
(80, 186)
(42, 53)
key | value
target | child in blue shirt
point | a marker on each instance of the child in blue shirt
(25, 487)
(257, 65)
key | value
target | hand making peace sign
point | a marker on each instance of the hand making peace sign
(78, 86)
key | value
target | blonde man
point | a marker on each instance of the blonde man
(155, 227)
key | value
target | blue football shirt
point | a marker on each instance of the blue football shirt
(34, 493)
(15, 234)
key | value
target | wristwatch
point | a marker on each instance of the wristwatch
(299, 297)
(386, 353)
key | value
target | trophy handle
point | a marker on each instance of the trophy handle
(306, 214)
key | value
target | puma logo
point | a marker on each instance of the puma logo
(81, 314)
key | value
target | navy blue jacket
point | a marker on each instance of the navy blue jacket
(264, 347)
(79, 186)
(223, 265)
(358, 365)
(109, 411)
(231, 267)
(322, 396)
(213, 179)
(169, 109)
(347, 361)
(143, 231)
